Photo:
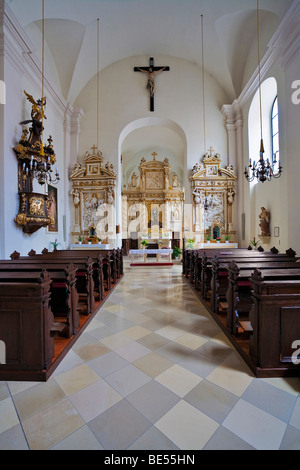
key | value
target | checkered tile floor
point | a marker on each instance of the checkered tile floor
(152, 371)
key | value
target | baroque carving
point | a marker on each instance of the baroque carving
(93, 192)
(158, 198)
(213, 189)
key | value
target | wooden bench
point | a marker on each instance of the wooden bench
(64, 296)
(219, 274)
(275, 318)
(204, 268)
(99, 271)
(239, 292)
(84, 274)
(27, 327)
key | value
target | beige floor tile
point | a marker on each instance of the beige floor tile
(94, 399)
(153, 364)
(178, 380)
(136, 332)
(115, 341)
(170, 332)
(91, 351)
(53, 424)
(191, 341)
(35, 399)
(187, 427)
(232, 375)
(76, 379)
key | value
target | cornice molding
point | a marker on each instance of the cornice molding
(16, 46)
(284, 45)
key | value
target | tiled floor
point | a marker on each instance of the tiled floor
(152, 371)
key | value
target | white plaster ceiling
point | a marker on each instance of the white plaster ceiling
(130, 28)
(149, 27)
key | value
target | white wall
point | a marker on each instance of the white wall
(22, 71)
(178, 97)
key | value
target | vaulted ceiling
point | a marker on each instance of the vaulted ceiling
(148, 27)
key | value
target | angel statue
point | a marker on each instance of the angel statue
(37, 115)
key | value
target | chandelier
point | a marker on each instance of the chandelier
(262, 170)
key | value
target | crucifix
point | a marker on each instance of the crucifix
(151, 71)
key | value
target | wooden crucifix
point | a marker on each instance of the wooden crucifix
(151, 71)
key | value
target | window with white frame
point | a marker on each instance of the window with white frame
(275, 134)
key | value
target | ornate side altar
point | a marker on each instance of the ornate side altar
(213, 188)
(153, 203)
(93, 191)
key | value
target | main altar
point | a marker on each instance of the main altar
(153, 204)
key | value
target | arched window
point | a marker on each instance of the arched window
(275, 134)
(269, 127)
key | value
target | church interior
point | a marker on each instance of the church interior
(129, 126)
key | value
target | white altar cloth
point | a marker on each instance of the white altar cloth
(217, 246)
(157, 252)
(89, 246)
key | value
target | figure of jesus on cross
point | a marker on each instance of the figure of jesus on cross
(151, 71)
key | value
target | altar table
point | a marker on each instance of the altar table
(89, 246)
(158, 253)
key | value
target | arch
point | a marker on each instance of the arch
(169, 137)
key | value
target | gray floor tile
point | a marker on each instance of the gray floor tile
(271, 399)
(120, 426)
(153, 400)
(211, 400)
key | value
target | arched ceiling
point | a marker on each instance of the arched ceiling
(148, 27)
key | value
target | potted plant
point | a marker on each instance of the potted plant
(80, 239)
(144, 243)
(55, 244)
(227, 238)
(99, 240)
(218, 239)
(208, 238)
(254, 243)
(176, 252)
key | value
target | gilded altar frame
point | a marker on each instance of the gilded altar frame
(213, 190)
(93, 193)
(149, 193)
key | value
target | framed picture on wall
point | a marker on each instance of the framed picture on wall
(276, 231)
(52, 193)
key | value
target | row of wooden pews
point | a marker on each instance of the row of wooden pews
(46, 302)
(255, 297)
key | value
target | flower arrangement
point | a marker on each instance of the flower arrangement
(55, 244)
(144, 243)
(190, 243)
(218, 239)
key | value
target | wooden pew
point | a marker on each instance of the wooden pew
(84, 274)
(27, 327)
(112, 261)
(64, 296)
(204, 273)
(275, 318)
(79, 257)
(239, 293)
(219, 274)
